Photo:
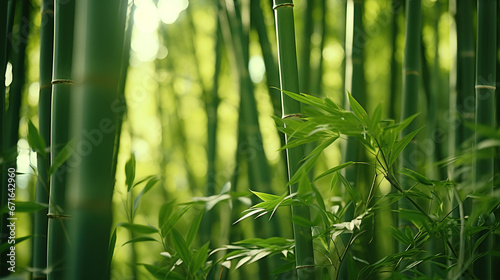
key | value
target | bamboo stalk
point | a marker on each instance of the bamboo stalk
(62, 82)
(305, 47)
(211, 106)
(317, 77)
(3, 65)
(411, 86)
(43, 162)
(123, 80)
(19, 42)
(485, 115)
(465, 69)
(289, 81)
(97, 67)
(355, 83)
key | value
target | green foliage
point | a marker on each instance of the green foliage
(180, 258)
(327, 122)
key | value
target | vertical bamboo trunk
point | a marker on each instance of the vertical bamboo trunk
(411, 86)
(3, 65)
(211, 106)
(317, 77)
(395, 67)
(19, 42)
(485, 115)
(121, 102)
(98, 55)
(355, 83)
(305, 47)
(285, 29)
(62, 83)
(394, 95)
(43, 162)
(268, 55)
(465, 69)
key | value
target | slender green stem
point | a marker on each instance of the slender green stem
(43, 162)
(411, 88)
(305, 47)
(289, 81)
(63, 56)
(485, 115)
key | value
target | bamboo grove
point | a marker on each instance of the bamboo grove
(249, 139)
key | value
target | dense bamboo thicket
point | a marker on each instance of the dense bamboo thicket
(231, 139)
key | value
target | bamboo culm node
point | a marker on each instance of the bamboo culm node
(62, 81)
(283, 5)
(291, 116)
(412, 72)
(58, 216)
(305, 266)
(486, 87)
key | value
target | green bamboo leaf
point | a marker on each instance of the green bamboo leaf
(29, 206)
(305, 188)
(333, 182)
(358, 110)
(310, 161)
(181, 247)
(140, 239)
(480, 240)
(139, 229)
(143, 180)
(165, 212)
(193, 229)
(412, 265)
(5, 246)
(373, 125)
(265, 196)
(251, 213)
(130, 172)
(166, 227)
(112, 244)
(61, 157)
(151, 183)
(416, 176)
(353, 193)
(334, 169)
(35, 140)
(400, 145)
(400, 237)
(402, 125)
(199, 259)
(305, 98)
(162, 273)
